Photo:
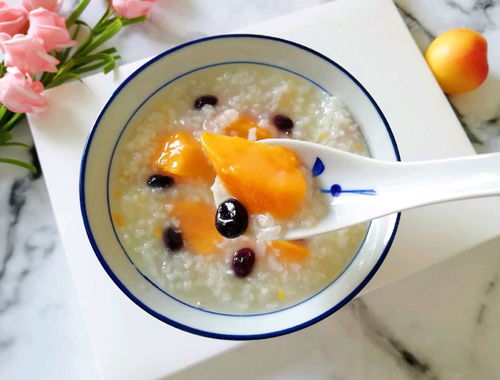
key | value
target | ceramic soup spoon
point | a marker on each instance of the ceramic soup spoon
(361, 189)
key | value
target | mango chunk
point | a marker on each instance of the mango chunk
(242, 126)
(290, 250)
(181, 154)
(264, 178)
(197, 225)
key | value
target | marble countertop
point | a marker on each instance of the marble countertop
(441, 323)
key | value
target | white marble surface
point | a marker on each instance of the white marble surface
(439, 323)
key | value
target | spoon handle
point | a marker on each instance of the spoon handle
(445, 180)
(402, 186)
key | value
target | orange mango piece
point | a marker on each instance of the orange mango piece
(181, 154)
(197, 224)
(290, 250)
(242, 126)
(264, 178)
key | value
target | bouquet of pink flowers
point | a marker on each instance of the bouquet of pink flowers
(41, 49)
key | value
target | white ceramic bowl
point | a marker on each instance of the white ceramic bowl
(136, 90)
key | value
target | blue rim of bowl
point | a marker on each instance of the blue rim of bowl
(178, 325)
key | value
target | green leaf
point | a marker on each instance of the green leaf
(106, 14)
(110, 31)
(85, 43)
(130, 21)
(4, 137)
(107, 51)
(60, 79)
(63, 69)
(88, 68)
(109, 67)
(16, 117)
(3, 112)
(84, 64)
(77, 12)
(82, 61)
(74, 36)
(22, 164)
(82, 23)
(14, 143)
(95, 61)
(59, 57)
(101, 27)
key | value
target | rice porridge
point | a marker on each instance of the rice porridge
(166, 197)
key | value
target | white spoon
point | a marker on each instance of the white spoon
(365, 188)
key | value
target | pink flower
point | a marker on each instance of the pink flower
(12, 19)
(50, 5)
(50, 28)
(20, 94)
(27, 54)
(132, 8)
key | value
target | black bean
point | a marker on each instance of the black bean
(231, 219)
(243, 261)
(205, 99)
(173, 239)
(160, 181)
(283, 123)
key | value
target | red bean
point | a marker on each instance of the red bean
(243, 261)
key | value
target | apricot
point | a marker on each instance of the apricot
(197, 225)
(458, 59)
(262, 177)
(290, 250)
(181, 154)
(242, 126)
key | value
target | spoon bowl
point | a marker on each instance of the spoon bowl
(359, 188)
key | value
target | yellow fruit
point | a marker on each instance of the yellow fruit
(290, 250)
(241, 127)
(197, 225)
(181, 154)
(264, 178)
(458, 59)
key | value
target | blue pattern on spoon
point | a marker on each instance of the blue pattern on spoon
(335, 190)
(318, 167)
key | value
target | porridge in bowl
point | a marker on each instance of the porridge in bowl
(172, 183)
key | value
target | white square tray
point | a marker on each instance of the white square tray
(130, 344)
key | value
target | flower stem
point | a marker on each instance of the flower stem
(73, 61)
(14, 119)
(23, 164)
